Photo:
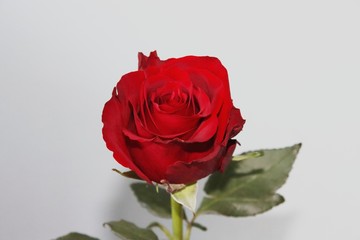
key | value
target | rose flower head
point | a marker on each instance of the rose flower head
(172, 120)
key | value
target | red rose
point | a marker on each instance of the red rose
(172, 120)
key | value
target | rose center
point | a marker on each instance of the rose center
(174, 101)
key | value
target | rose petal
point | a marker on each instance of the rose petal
(224, 162)
(200, 103)
(136, 126)
(125, 87)
(205, 131)
(210, 64)
(197, 169)
(154, 158)
(113, 117)
(145, 61)
(235, 124)
(135, 137)
(224, 117)
(173, 124)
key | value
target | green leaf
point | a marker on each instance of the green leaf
(235, 207)
(129, 231)
(76, 236)
(162, 228)
(248, 155)
(157, 201)
(199, 226)
(248, 187)
(128, 174)
(187, 196)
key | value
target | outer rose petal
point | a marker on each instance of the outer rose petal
(113, 118)
(210, 64)
(235, 124)
(145, 61)
(182, 172)
(224, 162)
(154, 158)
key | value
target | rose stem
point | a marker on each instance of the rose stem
(189, 226)
(177, 219)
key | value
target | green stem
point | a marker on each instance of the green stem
(177, 219)
(188, 228)
(188, 232)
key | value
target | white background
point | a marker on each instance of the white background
(294, 69)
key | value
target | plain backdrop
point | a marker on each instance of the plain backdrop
(294, 69)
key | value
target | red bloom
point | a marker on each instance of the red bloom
(172, 120)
